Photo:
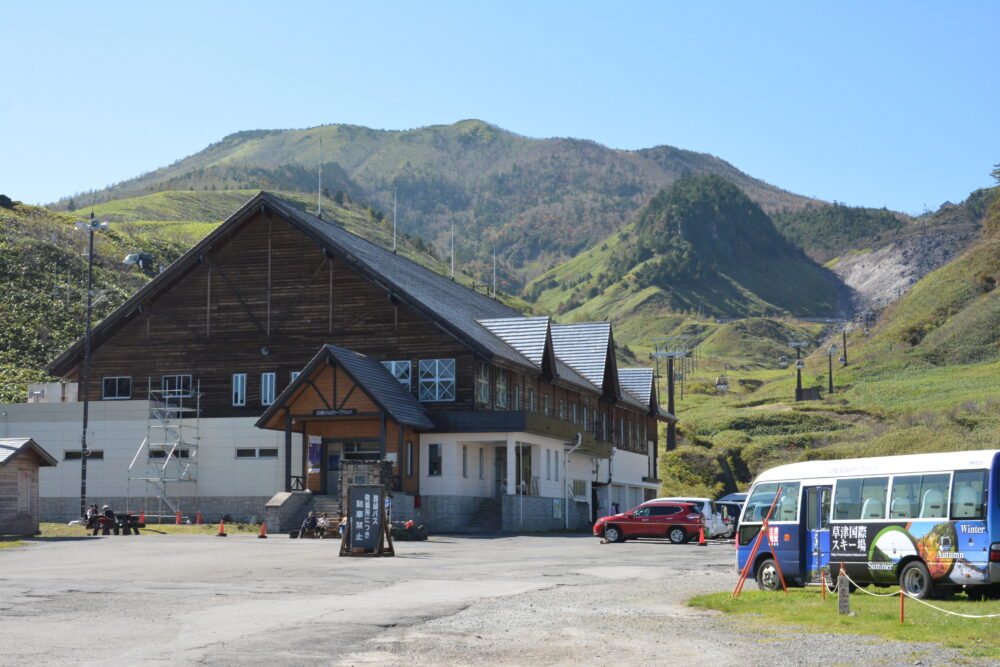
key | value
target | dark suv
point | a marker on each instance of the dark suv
(677, 521)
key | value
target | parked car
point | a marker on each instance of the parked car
(714, 524)
(730, 513)
(677, 521)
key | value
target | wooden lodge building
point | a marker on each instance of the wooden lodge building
(281, 345)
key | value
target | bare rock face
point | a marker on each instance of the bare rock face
(881, 276)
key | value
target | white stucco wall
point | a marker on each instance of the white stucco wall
(118, 428)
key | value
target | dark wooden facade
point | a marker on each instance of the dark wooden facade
(264, 296)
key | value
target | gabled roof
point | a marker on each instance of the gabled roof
(588, 348)
(452, 306)
(11, 448)
(527, 335)
(370, 375)
(637, 381)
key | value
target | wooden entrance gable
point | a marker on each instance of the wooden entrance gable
(345, 395)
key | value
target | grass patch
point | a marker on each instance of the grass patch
(10, 542)
(805, 610)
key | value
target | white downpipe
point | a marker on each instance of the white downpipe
(579, 441)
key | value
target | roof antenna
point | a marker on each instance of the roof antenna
(453, 250)
(319, 183)
(394, 220)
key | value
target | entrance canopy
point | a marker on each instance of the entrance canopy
(342, 384)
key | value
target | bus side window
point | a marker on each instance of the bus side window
(905, 490)
(968, 497)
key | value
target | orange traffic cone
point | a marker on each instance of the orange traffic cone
(263, 530)
(222, 529)
(142, 516)
(198, 518)
(701, 536)
(177, 520)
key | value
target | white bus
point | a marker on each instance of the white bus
(929, 522)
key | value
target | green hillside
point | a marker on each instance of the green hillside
(699, 247)
(926, 378)
(541, 200)
(826, 231)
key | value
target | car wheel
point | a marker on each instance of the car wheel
(677, 535)
(767, 576)
(916, 580)
(613, 534)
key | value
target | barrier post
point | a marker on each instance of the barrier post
(745, 572)
(902, 601)
(843, 593)
(822, 580)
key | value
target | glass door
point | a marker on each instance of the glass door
(817, 532)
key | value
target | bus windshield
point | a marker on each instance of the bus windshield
(760, 500)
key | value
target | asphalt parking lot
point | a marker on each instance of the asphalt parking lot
(451, 600)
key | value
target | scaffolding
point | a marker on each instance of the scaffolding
(166, 463)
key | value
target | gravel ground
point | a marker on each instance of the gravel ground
(452, 600)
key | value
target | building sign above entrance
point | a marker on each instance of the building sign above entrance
(335, 412)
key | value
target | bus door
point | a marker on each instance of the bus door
(817, 532)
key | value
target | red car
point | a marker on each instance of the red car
(680, 522)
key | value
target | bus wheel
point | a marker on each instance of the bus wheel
(767, 576)
(916, 580)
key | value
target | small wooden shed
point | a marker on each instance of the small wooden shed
(20, 459)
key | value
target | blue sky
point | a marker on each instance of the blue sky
(868, 103)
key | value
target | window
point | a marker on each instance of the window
(76, 455)
(556, 466)
(579, 487)
(293, 376)
(516, 403)
(968, 495)
(532, 405)
(641, 511)
(434, 460)
(482, 463)
(548, 464)
(162, 453)
(256, 453)
(760, 500)
(465, 460)
(117, 388)
(482, 382)
(501, 389)
(546, 405)
(239, 388)
(437, 380)
(409, 458)
(604, 426)
(860, 499)
(621, 431)
(176, 385)
(401, 370)
(266, 388)
(663, 510)
(562, 409)
(919, 496)
(573, 414)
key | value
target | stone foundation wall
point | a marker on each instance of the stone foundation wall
(283, 511)
(535, 514)
(443, 514)
(212, 508)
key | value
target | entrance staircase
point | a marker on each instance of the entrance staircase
(486, 518)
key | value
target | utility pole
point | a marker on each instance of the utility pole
(91, 226)
(844, 331)
(829, 358)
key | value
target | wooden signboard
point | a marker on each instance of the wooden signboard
(367, 530)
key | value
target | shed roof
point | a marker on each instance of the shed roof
(11, 448)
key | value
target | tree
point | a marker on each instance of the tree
(71, 205)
